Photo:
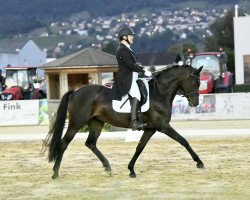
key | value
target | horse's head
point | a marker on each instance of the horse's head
(190, 87)
(183, 79)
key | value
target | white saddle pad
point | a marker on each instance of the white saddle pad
(120, 107)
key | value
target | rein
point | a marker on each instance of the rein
(192, 93)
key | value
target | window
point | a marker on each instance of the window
(208, 62)
(107, 77)
(17, 78)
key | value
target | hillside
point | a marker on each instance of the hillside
(65, 26)
(21, 16)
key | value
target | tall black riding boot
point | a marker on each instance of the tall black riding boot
(134, 123)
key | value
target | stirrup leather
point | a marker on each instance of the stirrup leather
(136, 125)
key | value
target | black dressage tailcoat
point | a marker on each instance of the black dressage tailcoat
(126, 66)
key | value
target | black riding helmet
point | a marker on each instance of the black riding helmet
(125, 31)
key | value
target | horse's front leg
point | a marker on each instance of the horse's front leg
(177, 137)
(143, 141)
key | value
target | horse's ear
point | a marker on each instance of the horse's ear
(198, 70)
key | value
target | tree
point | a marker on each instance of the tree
(181, 48)
(223, 33)
(223, 36)
(211, 44)
(110, 47)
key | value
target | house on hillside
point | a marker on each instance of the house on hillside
(21, 54)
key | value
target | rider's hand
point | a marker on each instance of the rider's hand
(139, 64)
(147, 73)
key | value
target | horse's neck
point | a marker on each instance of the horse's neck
(168, 85)
(163, 91)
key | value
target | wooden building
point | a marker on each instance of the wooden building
(88, 66)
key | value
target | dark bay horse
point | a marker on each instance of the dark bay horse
(91, 105)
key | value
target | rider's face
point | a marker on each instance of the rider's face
(130, 39)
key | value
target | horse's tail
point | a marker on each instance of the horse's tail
(55, 133)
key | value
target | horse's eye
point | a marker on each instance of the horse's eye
(196, 83)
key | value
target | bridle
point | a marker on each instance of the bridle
(191, 93)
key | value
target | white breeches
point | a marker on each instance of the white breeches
(134, 90)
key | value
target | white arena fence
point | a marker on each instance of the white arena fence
(211, 107)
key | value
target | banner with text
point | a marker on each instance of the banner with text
(23, 112)
(211, 107)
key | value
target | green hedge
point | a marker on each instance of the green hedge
(242, 88)
(106, 128)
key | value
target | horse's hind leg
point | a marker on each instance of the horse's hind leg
(68, 137)
(95, 128)
(177, 137)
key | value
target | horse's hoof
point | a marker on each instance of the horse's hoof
(132, 175)
(55, 176)
(108, 170)
(200, 166)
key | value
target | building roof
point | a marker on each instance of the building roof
(7, 46)
(85, 57)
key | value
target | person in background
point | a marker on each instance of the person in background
(127, 75)
(188, 56)
(223, 54)
(224, 59)
(178, 60)
(2, 81)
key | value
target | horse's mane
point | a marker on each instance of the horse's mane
(169, 67)
(153, 84)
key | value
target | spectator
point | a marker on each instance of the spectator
(188, 56)
(223, 54)
(2, 81)
(178, 60)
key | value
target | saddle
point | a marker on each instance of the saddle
(124, 106)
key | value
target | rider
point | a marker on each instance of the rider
(127, 74)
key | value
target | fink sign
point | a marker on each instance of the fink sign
(19, 112)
